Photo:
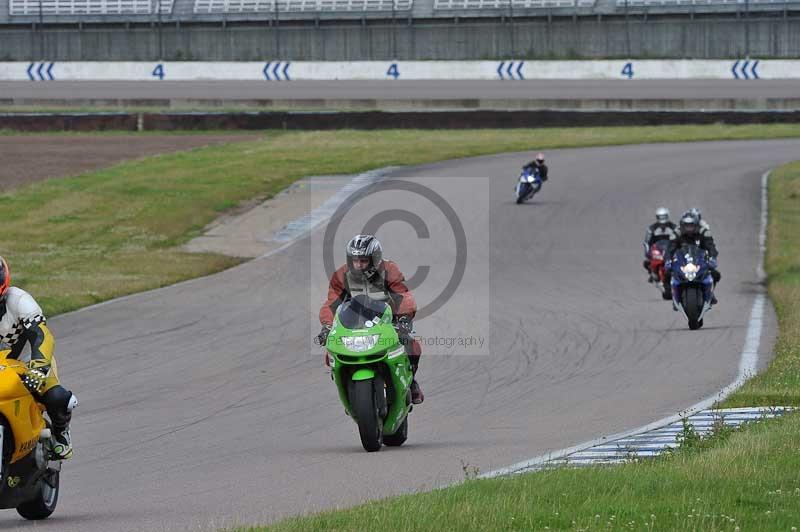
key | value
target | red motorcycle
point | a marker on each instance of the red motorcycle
(658, 275)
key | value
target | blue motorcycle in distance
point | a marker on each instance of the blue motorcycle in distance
(529, 184)
(692, 284)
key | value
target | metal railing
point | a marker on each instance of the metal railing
(467, 5)
(88, 7)
(295, 6)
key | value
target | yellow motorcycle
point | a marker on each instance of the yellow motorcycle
(29, 477)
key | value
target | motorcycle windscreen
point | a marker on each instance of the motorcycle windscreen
(696, 254)
(355, 313)
(661, 246)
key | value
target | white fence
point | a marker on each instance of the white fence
(673, 3)
(294, 6)
(89, 7)
(509, 4)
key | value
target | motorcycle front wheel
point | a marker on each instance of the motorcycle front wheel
(522, 192)
(367, 413)
(692, 297)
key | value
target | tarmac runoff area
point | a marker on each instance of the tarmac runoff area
(629, 95)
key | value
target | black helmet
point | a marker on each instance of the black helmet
(690, 224)
(695, 211)
(364, 247)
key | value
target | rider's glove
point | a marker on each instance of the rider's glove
(712, 262)
(404, 325)
(322, 338)
(34, 380)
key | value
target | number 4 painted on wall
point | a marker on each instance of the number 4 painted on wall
(158, 71)
(627, 70)
(393, 71)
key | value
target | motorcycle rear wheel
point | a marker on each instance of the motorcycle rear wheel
(365, 408)
(46, 499)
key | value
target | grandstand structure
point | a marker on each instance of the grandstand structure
(187, 11)
(350, 30)
(60, 8)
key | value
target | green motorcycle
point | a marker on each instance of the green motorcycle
(372, 371)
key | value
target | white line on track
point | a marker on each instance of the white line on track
(748, 364)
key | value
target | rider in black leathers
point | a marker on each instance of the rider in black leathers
(688, 232)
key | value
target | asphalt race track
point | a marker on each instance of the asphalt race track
(400, 90)
(204, 404)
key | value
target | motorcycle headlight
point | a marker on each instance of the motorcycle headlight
(360, 343)
(690, 271)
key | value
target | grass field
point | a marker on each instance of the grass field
(80, 240)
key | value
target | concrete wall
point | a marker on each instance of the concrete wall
(569, 38)
(614, 69)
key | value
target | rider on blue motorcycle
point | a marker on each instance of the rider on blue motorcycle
(688, 232)
(537, 165)
(705, 228)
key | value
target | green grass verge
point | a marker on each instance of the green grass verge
(780, 384)
(80, 240)
(745, 480)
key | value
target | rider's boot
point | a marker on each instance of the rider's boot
(416, 392)
(59, 403)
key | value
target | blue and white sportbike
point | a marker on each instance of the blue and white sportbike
(692, 283)
(529, 184)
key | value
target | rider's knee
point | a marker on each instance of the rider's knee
(413, 348)
(59, 400)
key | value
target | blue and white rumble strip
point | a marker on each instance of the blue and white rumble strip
(654, 442)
